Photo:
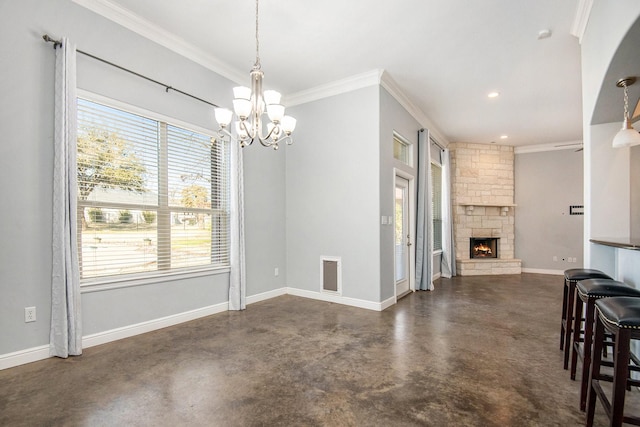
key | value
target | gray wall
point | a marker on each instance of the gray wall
(26, 168)
(332, 193)
(546, 184)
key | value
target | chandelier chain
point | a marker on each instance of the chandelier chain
(257, 39)
(626, 101)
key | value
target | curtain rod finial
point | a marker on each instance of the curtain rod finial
(48, 39)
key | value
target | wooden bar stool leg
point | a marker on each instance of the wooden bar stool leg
(577, 329)
(569, 322)
(586, 359)
(594, 373)
(621, 371)
(564, 314)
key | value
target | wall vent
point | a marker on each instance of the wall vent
(331, 274)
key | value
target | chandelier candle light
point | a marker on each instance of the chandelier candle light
(250, 104)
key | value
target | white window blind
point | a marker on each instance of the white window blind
(152, 197)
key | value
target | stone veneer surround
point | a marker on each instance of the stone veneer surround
(482, 186)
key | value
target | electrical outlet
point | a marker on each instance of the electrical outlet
(29, 314)
(276, 272)
(555, 258)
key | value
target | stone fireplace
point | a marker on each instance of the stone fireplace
(482, 196)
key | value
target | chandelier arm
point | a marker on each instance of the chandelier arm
(251, 135)
(222, 132)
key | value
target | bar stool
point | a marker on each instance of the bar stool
(621, 317)
(571, 277)
(589, 291)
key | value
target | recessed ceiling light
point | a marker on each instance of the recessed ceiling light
(493, 94)
(504, 136)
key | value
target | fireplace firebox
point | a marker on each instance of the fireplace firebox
(483, 247)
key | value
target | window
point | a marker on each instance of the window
(401, 150)
(152, 196)
(436, 205)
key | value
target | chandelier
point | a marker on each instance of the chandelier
(250, 104)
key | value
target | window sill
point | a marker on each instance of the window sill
(437, 252)
(105, 284)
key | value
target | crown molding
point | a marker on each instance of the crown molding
(359, 81)
(387, 82)
(126, 18)
(147, 29)
(371, 78)
(583, 11)
(555, 146)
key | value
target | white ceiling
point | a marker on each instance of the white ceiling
(445, 55)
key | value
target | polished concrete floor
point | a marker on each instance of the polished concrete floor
(477, 351)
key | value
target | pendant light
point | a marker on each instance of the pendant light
(627, 136)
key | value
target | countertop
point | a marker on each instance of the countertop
(629, 243)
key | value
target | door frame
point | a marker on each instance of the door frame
(399, 173)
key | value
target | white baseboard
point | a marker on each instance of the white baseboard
(543, 271)
(266, 295)
(388, 303)
(338, 299)
(34, 354)
(42, 352)
(23, 357)
(151, 325)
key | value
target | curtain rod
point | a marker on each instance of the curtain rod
(167, 87)
(433, 140)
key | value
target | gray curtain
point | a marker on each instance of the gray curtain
(448, 264)
(65, 337)
(424, 216)
(237, 279)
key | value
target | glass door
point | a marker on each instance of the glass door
(402, 236)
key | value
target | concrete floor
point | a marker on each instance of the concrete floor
(477, 351)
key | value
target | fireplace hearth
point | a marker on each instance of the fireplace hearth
(483, 247)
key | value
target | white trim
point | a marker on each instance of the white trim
(411, 180)
(555, 146)
(151, 325)
(151, 31)
(331, 297)
(23, 357)
(35, 354)
(115, 282)
(388, 303)
(543, 271)
(349, 84)
(266, 295)
(134, 109)
(394, 90)
(436, 276)
(583, 11)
